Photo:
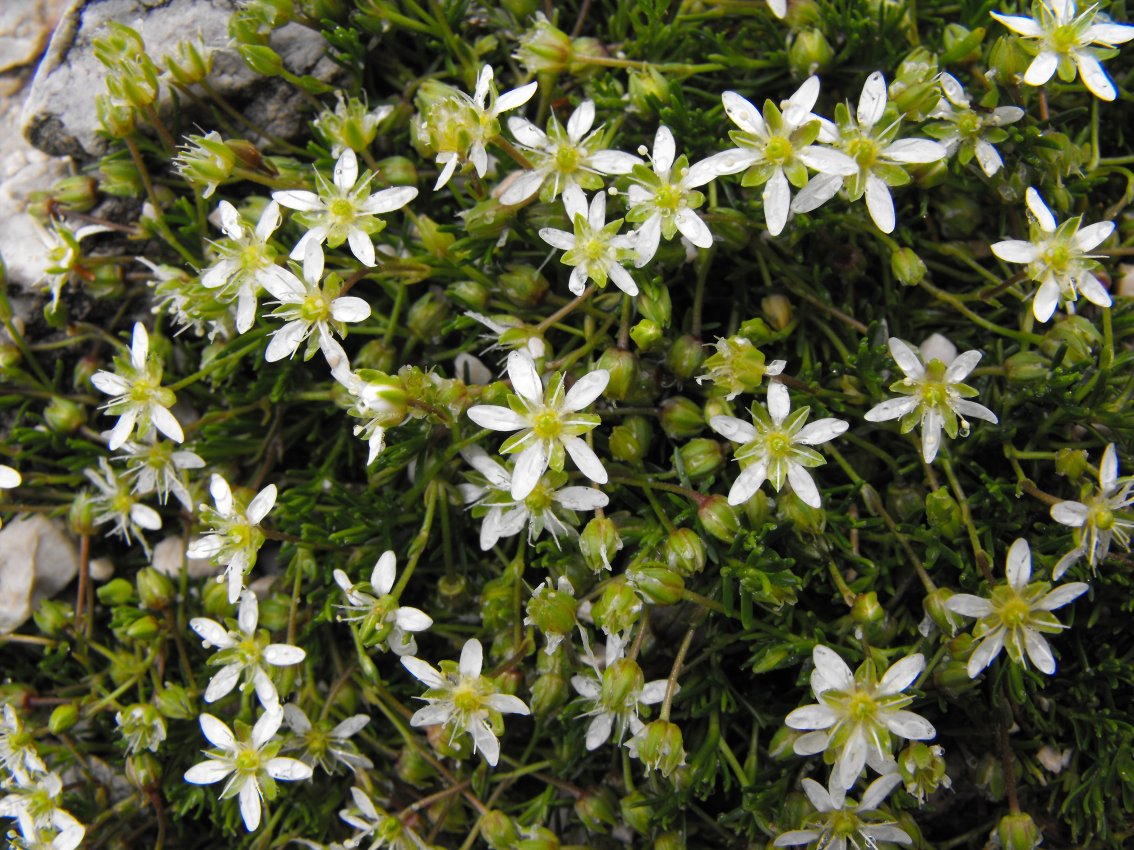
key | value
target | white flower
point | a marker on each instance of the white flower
(549, 423)
(663, 199)
(838, 824)
(141, 727)
(878, 153)
(253, 764)
(140, 399)
(595, 249)
(933, 396)
(548, 506)
(777, 148)
(509, 332)
(616, 691)
(115, 503)
(463, 700)
(380, 618)
(563, 158)
(18, 754)
(856, 715)
(1016, 614)
(319, 745)
(63, 256)
(378, 399)
(308, 308)
(776, 447)
(1102, 517)
(351, 125)
(1057, 258)
(1065, 40)
(377, 826)
(156, 467)
(9, 478)
(244, 651)
(235, 538)
(247, 260)
(36, 807)
(343, 211)
(969, 133)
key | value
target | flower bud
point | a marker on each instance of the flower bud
(498, 830)
(426, 316)
(522, 284)
(684, 551)
(214, 599)
(141, 726)
(809, 53)
(143, 771)
(701, 457)
(581, 49)
(115, 592)
(623, 368)
(936, 609)
(595, 808)
(960, 216)
(680, 418)
(943, 513)
(1076, 335)
(63, 718)
(599, 542)
(907, 266)
(1027, 366)
(637, 813)
(1008, 58)
(52, 616)
(412, 767)
(719, 518)
(618, 608)
(630, 440)
(648, 90)
(205, 162)
(962, 45)
(867, 609)
(539, 838)
(487, 219)
(1071, 463)
(549, 694)
(77, 192)
(646, 334)
(468, 294)
(1018, 832)
(114, 119)
(144, 628)
(496, 602)
(736, 366)
(553, 611)
(274, 612)
(731, 230)
(659, 585)
(671, 840)
(63, 416)
(190, 62)
(261, 59)
(174, 703)
(906, 501)
(659, 746)
(923, 769)
(653, 303)
(154, 589)
(351, 125)
(544, 48)
(685, 357)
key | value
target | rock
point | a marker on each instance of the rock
(37, 560)
(169, 555)
(25, 26)
(59, 115)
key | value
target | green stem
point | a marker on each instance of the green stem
(254, 337)
(417, 546)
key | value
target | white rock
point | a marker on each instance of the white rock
(37, 560)
(168, 555)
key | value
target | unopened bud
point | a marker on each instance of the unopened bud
(552, 611)
(685, 357)
(659, 746)
(648, 89)
(684, 551)
(630, 440)
(63, 416)
(468, 294)
(646, 334)
(680, 418)
(671, 840)
(719, 518)
(599, 542)
(809, 53)
(190, 62)
(63, 718)
(1027, 366)
(144, 628)
(155, 590)
(618, 608)
(426, 316)
(523, 285)
(174, 703)
(498, 830)
(623, 368)
(539, 838)
(544, 48)
(867, 609)
(943, 513)
(261, 59)
(962, 45)
(653, 303)
(115, 592)
(52, 616)
(923, 769)
(659, 585)
(1071, 463)
(413, 768)
(907, 267)
(549, 694)
(143, 771)
(935, 605)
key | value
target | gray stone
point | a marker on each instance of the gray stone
(59, 115)
(25, 26)
(37, 560)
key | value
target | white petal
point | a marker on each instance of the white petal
(581, 120)
(346, 170)
(664, 150)
(486, 742)
(351, 726)
(851, 761)
(248, 614)
(646, 239)
(1090, 237)
(288, 769)
(777, 201)
(586, 390)
(971, 409)
(1046, 298)
(733, 429)
(1039, 651)
(891, 409)
(423, 672)
(266, 727)
(298, 200)
(109, 383)
(560, 239)
(1072, 514)
(349, 308)
(1093, 290)
(878, 790)
(871, 104)
(446, 171)
(413, 619)
(968, 605)
(906, 356)
(283, 655)
(1062, 595)
(719, 164)
(747, 483)
(804, 486)
(779, 402)
(985, 652)
(811, 717)
(1016, 251)
(122, 429)
(880, 204)
(1039, 209)
(529, 468)
(527, 133)
(581, 498)
(285, 341)
(912, 726)
(585, 459)
(834, 672)
(613, 162)
(961, 366)
(931, 425)
(145, 517)
(797, 108)
(219, 735)
(382, 576)
(208, 772)
(988, 157)
(140, 347)
(817, 192)
(472, 658)
(506, 704)
(1020, 24)
(915, 151)
(250, 803)
(901, 675)
(264, 501)
(434, 714)
(1041, 69)
(743, 114)
(523, 187)
(1108, 470)
(362, 248)
(1099, 84)
(516, 97)
(1019, 564)
(598, 731)
(496, 418)
(212, 633)
(693, 228)
(827, 162)
(525, 377)
(820, 431)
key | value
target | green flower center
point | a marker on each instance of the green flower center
(1057, 257)
(566, 160)
(1015, 612)
(546, 425)
(594, 250)
(539, 500)
(778, 149)
(1103, 518)
(861, 707)
(341, 210)
(668, 198)
(315, 308)
(465, 697)
(1063, 38)
(778, 444)
(863, 151)
(969, 124)
(248, 761)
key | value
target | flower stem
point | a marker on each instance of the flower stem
(417, 546)
(566, 309)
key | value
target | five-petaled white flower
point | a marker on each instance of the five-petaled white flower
(1016, 614)
(463, 700)
(933, 395)
(563, 158)
(322, 745)
(35, 804)
(837, 823)
(549, 423)
(377, 826)
(616, 690)
(157, 467)
(381, 620)
(967, 132)
(244, 651)
(777, 148)
(857, 714)
(1101, 518)
(140, 399)
(310, 307)
(253, 764)
(595, 249)
(776, 447)
(879, 155)
(235, 538)
(18, 754)
(115, 502)
(548, 506)
(342, 210)
(663, 198)
(1065, 37)
(1057, 258)
(247, 260)
(62, 254)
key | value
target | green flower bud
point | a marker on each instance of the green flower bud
(553, 611)
(907, 266)
(496, 602)
(1071, 463)
(1027, 366)
(143, 628)
(468, 294)
(618, 608)
(1076, 335)
(599, 542)
(116, 120)
(646, 334)
(1018, 832)
(154, 589)
(623, 368)
(581, 49)
(116, 592)
(685, 357)
(120, 178)
(809, 53)
(960, 216)
(684, 551)
(205, 162)
(671, 840)
(351, 125)
(731, 230)
(637, 813)
(396, 171)
(867, 609)
(544, 48)
(413, 768)
(77, 192)
(962, 45)
(63, 718)
(653, 303)
(52, 616)
(736, 366)
(630, 440)
(261, 59)
(701, 457)
(905, 501)
(141, 726)
(522, 284)
(990, 776)
(659, 585)
(659, 746)
(943, 618)
(595, 807)
(426, 316)
(1008, 58)
(10, 355)
(214, 599)
(487, 219)
(952, 677)
(648, 90)
(80, 517)
(758, 509)
(549, 694)
(923, 769)
(680, 418)
(943, 513)
(190, 62)
(63, 416)
(719, 518)
(274, 612)
(498, 830)
(174, 703)
(143, 771)
(539, 838)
